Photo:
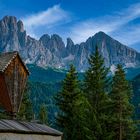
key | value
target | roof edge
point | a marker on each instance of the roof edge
(14, 56)
(29, 132)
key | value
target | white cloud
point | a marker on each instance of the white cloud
(129, 36)
(50, 18)
(109, 23)
(81, 31)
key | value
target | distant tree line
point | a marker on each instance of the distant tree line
(100, 109)
(26, 112)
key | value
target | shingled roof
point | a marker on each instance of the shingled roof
(21, 127)
(6, 59)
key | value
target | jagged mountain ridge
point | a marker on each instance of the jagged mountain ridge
(51, 50)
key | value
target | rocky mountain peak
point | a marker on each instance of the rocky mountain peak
(9, 34)
(57, 42)
(70, 42)
(8, 19)
(20, 26)
(56, 38)
(100, 33)
(10, 23)
(70, 47)
(45, 39)
(100, 37)
(51, 50)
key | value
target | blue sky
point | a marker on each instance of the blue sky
(78, 19)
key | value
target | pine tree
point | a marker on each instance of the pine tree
(80, 125)
(122, 109)
(96, 85)
(71, 111)
(43, 116)
(26, 110)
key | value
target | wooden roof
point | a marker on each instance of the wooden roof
(6, 59)
(21, 127)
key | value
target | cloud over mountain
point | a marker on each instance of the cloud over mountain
(51, 17)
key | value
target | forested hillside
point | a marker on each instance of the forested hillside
(45, 83)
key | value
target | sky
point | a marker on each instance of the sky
(78, 19)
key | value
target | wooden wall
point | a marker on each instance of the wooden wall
(4, 96)
(14, 136)
(15, 77)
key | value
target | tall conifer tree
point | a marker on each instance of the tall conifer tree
(71, 111)
(96, 85)
(122, 109)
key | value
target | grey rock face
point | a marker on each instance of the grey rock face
(51, 50)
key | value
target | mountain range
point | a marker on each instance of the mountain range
(51, 51)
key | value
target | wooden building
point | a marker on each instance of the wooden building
(13, 76)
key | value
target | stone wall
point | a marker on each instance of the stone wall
(14, 136)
